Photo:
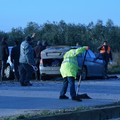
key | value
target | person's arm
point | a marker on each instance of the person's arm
(75, 52)
(29, 52)
(12, 55)
(6, 50)
(81, 49)
(99, 48)
(33, 35)
(110, 56)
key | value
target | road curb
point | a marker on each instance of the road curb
(104, 113)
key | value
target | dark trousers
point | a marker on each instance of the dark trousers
(105, 57)
(16, 68)
(26, 72)
(106, 66)
(71, 82)
(37, 73)
(4, 63)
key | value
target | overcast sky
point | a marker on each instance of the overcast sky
(18, 13)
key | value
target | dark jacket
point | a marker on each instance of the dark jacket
(105, 55)
(15, 54)
(4, 51)
(38, 50)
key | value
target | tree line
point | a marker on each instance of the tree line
(62, 33)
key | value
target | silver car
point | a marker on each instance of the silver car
(9, 71)
(93, 67)
(51, 59)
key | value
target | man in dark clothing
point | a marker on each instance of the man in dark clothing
(44, 44)
(105, 52)
(38, 50)
(15, 54)
(4, 56)
(27, 62)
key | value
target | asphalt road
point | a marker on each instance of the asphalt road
(43, 95)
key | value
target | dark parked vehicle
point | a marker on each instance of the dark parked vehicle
(51, 59)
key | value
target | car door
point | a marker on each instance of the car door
(95, 66)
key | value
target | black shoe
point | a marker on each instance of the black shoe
(23, 84)
(29, 84)
(63, 97)
(26, 84)
(76, 98)
(2, 78)
(106, 77)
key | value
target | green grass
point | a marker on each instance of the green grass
(115, 67)
(38, 113)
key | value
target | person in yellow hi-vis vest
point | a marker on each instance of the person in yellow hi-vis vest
(68, 70)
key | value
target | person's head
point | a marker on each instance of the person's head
(105, 42)
(16, 42)
(28, 38)
(77, 44)
(4, 39)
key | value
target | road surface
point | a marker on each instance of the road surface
(43, 95)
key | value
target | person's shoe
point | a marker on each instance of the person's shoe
(23, 84)
(29, 84)
(106, 77)
(76, 98)
(63, 97)
(2, 78)
(26, 84)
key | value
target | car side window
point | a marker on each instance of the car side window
(89, 54)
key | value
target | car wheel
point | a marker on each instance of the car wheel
(84, 73)
(8, 73)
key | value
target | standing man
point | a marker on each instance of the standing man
(69, 69)
(105, 52)
(15, 54)
(26, 60)
(4, 55)
(38, 50)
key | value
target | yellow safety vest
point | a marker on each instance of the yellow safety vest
(69, 66)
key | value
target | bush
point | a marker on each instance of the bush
(115, 67)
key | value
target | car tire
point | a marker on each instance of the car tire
(8, 72)
(84, 73)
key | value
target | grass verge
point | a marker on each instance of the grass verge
(35, 114)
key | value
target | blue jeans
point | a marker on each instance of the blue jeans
(71, 82)
(26, 72)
